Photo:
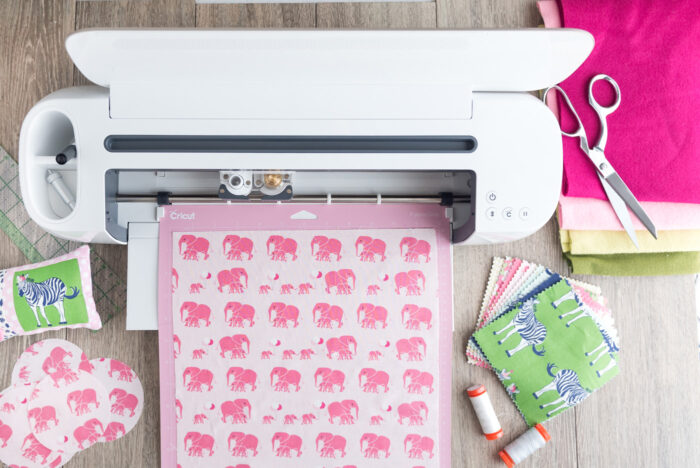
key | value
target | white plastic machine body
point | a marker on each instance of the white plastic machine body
(348, 113)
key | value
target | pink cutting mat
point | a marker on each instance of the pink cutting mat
(246, 375)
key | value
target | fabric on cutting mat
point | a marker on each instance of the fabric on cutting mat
(597, 215)
(294, 347)
(614, 242)
(546, 353)
(641, 264)
(651, 49)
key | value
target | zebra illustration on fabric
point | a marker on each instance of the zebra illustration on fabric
(39, 295)
(581, 311)
(610, 346)
(532, 332)
(567, 385)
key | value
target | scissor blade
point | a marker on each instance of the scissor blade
(621, 188)
(620, 210)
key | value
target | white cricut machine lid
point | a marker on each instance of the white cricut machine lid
(312, 74)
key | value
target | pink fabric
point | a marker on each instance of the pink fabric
(273, 399)
(652, 50)
(588, 214)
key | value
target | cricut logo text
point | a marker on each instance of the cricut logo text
(177, 215)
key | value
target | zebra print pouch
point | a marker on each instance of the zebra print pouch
(56, 293)
(549, 352)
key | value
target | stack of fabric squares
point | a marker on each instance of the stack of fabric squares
(653, 141)
(550, 340)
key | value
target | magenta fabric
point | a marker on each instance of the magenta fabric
(652, 49)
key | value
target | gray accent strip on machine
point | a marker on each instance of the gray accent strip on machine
(288, 144)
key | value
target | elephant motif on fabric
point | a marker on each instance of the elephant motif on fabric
(371, 315)
(40, 415)
(241, 378)
(413, 412)
(366, 248)
(413, 316)
(374, 379)
(196, 314)
(327, 315)
(113, 431)
(411, 348)
(198, 378)
(415, 381)
(193, 247)
(235, 411)
(340, 281)
(326, 248)
(373, 445)
(234, 346)
(123, 401)
(283, 315)
(343, 347)
(33, 450)
(330, 379)
(415, 249)
(231, 279)
(87, 434)
(236, 314)
(420, 446)
(411, 282)
(331, 445)
(79, 401)
(242, 445)
(286, 378)
(199, 444)
(236, 246)
(342, 412)
(284, 444)
(281, 248)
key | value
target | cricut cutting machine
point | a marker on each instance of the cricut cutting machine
(254, 116)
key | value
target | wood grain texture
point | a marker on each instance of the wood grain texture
(416, 15)
(286, 15)
(647, 416)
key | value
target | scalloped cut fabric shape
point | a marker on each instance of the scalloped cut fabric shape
(652, 50)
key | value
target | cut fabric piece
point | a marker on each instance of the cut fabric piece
(643, 264)
(618, 242)
(597, 215)
(534, 278)
(654, 137)
(549, 353)
(291, 342)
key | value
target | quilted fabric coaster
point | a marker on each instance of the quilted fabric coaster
(550, 352)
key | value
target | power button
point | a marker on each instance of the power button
(491, 197)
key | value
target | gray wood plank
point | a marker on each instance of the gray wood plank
(33, 61)
(286, 15)
(418, 15)
(484, 14)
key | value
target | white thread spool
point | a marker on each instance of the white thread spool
(533, 439)
(484, 412)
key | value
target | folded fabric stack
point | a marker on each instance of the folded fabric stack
(653, 141)
(551, 340)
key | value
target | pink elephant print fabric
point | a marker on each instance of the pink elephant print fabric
(306, 348)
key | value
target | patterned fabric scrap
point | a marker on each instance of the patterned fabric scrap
(550, 352)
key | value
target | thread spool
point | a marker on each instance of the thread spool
(484, 412)
(524, 446)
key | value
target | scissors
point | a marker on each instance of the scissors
(618, 193)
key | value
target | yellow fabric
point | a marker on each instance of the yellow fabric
(618, 242)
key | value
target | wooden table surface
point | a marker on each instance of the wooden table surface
(647, 416)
